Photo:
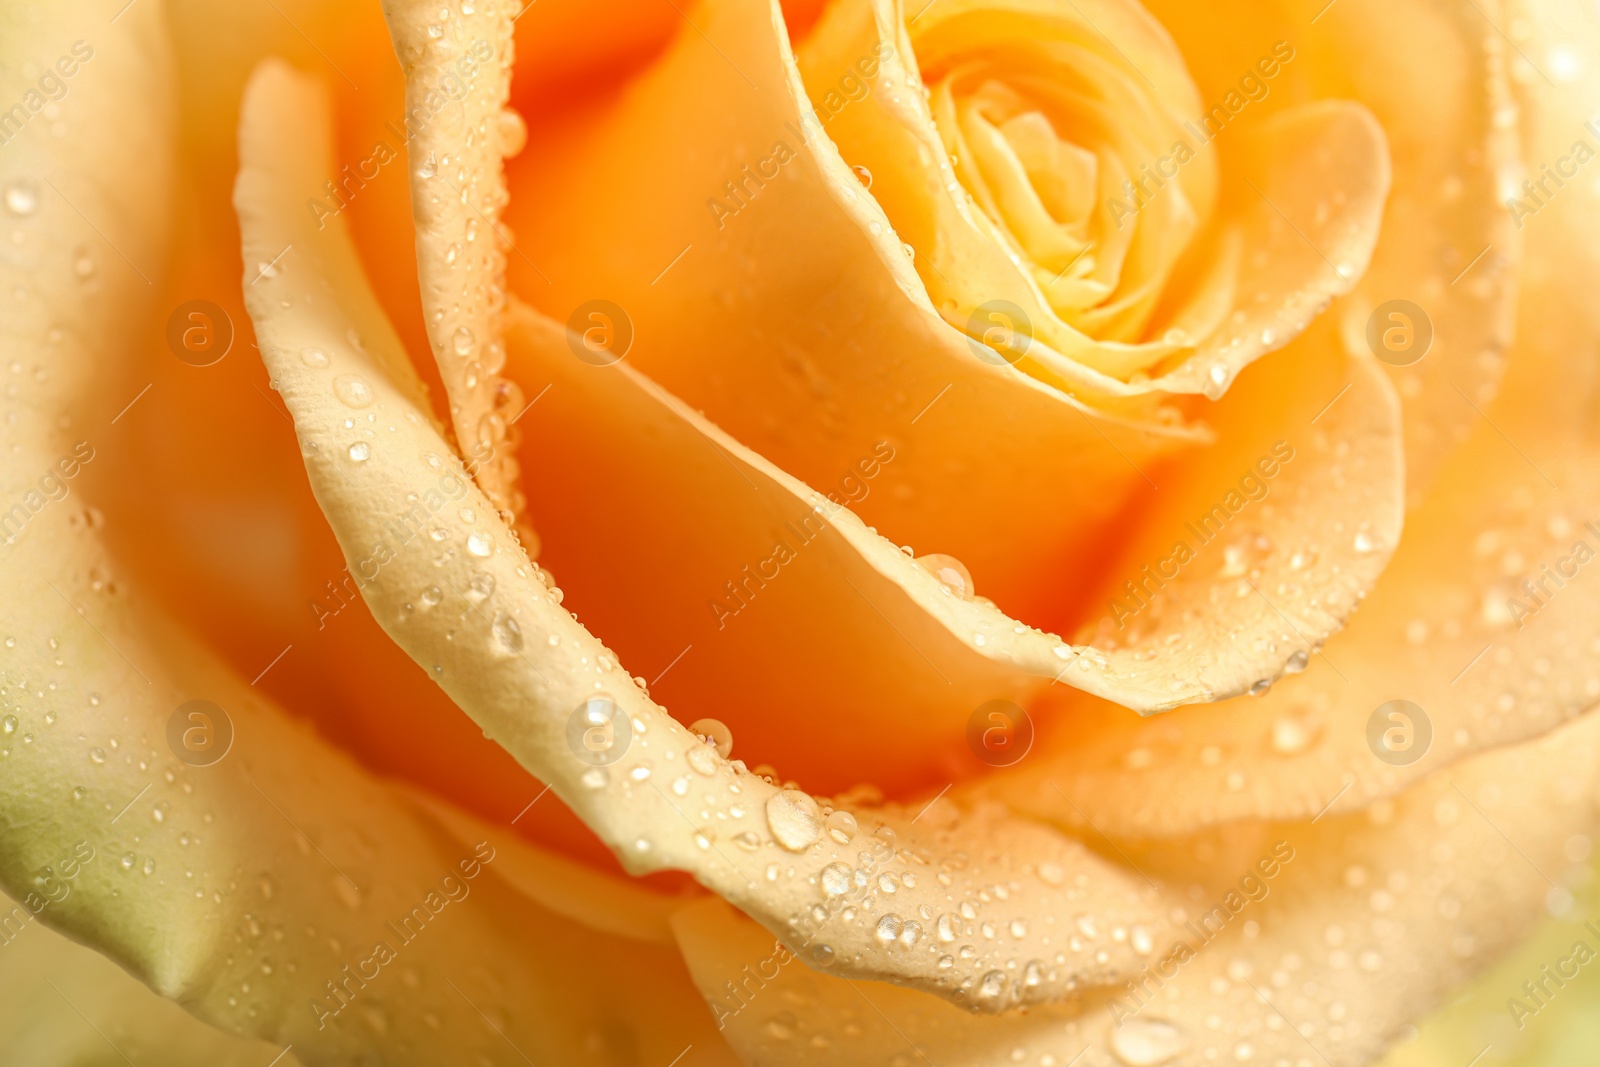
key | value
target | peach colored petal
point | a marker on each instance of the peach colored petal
(1451, 626)
(1146, 680)
(1368, 924)
(469, 606)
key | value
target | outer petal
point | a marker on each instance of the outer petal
(62, 1003)
(243, 887)
(1362, 928)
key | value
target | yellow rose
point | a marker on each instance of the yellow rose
(1166, 336)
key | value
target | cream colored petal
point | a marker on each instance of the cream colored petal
(238, 888)
(457, 62)
(1362, 925)
(1451, 241)
(453, 589)
(67, 1005)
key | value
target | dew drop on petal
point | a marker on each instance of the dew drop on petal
(951, 572)
(21, 198)
(314, 357)
(716, 733)
(507, 633)
(702, 759)
(353, 390)
(794, 818)
(1141, 1042)
(360, 451)
(842, 827)
(836, 879)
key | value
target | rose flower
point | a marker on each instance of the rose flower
(967, 430)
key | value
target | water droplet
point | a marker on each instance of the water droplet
(9, 725)
(1141, 1042)
(1292, 734)
(842, 827)
(479, 544)
(431, 596)
(951, 572)
(463, 341)
(596, 778)
(747, 840)
(353, 390)
(127, 861)
(837, 879)
(22, 198)
(314, 357)
(97, 754)
(888, 928)
(480, 587)
(794, 818)
(863, 175)
(702, 758)
(715, 733)
(991, 986)
(360, 451)
(508, 633)
(1364, 542)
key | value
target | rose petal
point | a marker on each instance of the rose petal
(1450, 627)
(63, 1003)
(837, 346)
(1369, 924)
(458, 79)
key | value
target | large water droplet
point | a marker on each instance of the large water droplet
(716, 733)
(702, 758)
(507, 633)
(836, 879)
(22, 198)
(479, 544)
(951, 572)
(842, 827)
(360, 451)
(1140, 1042)
(353, 390)
(794, 818)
